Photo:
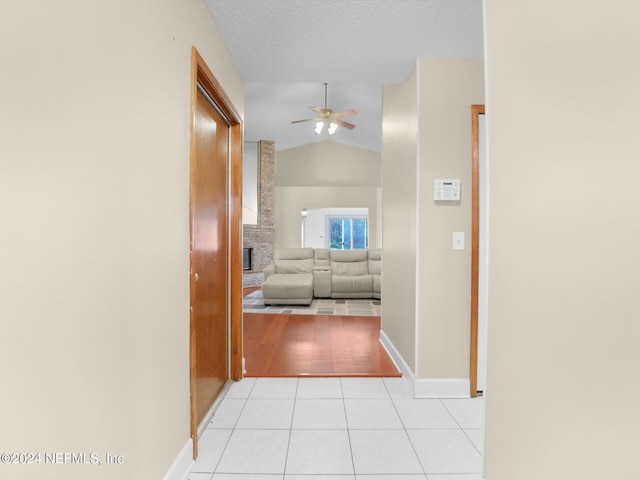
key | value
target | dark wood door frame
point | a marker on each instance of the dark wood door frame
(476, 111)
(202, 76)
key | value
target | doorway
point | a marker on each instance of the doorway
(215, 243)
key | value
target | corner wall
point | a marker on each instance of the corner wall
(563, 126)
(94, 202)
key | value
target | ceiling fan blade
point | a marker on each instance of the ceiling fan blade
(305, 120)
(316, 110)
(344, 124)
(343, 113)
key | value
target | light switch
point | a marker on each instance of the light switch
(458, 240)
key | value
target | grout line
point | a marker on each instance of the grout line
(346, 421)
(469, 438)
(234, 426)
(293, 413)
(460, 427)
(406, 432)
(451, 414)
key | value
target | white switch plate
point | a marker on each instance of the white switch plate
(458, 240)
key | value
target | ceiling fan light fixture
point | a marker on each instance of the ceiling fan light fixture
(326, 116)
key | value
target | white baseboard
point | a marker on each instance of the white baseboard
(401, 365)
(183, 463)
(425, 387)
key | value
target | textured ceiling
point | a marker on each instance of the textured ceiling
(286, 49)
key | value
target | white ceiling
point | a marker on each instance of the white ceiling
(286, 49)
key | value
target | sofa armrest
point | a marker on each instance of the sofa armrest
(322, 282)
(268, 271)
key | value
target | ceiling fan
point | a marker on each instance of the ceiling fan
(326, 116)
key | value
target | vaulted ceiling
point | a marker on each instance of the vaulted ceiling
(286, 49)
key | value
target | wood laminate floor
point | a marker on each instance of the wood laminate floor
(286, 345)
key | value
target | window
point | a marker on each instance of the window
(348, 233)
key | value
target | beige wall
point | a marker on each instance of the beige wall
(325, 175)
(399, 215)
(447, 89)
(94, 173)
(327, 164)
(563, 107)
(291, 200)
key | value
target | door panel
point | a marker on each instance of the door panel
(210, 254)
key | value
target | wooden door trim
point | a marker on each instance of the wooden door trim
(202, 75)
(476, 111)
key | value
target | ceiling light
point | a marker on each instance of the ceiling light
(325, 116)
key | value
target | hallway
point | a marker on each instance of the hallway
(339, 429)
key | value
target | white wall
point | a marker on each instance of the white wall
(563, 124)
(325, 175)
(94, 192)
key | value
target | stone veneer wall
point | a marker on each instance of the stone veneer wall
(260, 237)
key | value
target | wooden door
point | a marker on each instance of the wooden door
(209, 257)
(216, 242)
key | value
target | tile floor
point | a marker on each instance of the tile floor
(339, 429)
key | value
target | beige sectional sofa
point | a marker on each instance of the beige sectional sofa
(299, 274)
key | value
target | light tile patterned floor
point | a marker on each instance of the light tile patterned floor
(254, 303)
(339, 429)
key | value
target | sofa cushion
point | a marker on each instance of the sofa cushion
(293, 253)
(375, 261)
(288, 286)
(293, 260)
(349, 262)
(377, 284)
(349, 268)
(348, 255)
(294, 266)
(321, 257)
(351, 284)
(375, 267)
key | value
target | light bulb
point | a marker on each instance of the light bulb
(319, 125)
(332, 128)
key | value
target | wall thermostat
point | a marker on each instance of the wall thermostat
(446, 189)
